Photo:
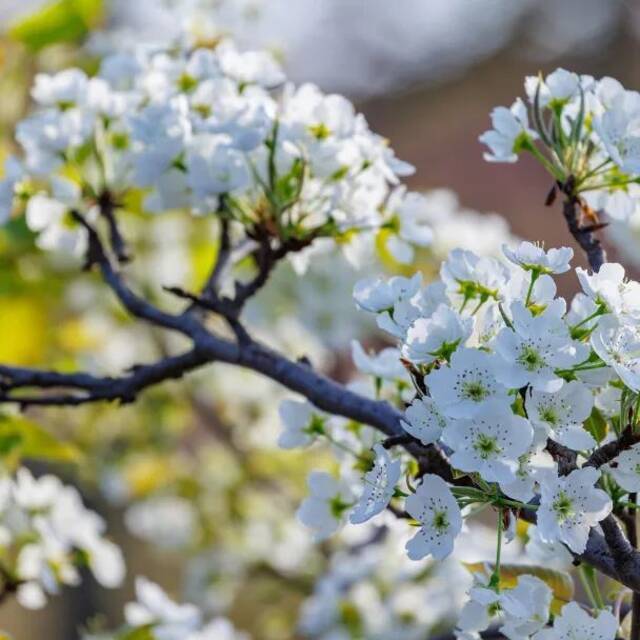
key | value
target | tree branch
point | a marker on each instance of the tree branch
(210, 290)
(620, 561)
(84, 388)
(606, 453)
(584, 236)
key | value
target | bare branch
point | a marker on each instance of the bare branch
(84, 388)
(118, 244)
(210, 290)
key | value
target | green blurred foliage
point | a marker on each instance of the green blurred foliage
(61, 21)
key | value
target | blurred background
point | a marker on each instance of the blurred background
(426, 73)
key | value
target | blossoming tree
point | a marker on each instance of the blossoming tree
(496, 395)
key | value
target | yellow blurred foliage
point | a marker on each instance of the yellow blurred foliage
(73, 336)
(23, 329)
(146, 473)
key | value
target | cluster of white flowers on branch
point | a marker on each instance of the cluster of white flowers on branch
(47, 536)
(497, 393)
(507, 377)
(584, 132)
(211, 131)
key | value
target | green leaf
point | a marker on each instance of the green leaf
(60, 21)
(596, 425)
(22, 438)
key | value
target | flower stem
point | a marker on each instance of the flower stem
(494, 583)
(534, 277)
(590, 585)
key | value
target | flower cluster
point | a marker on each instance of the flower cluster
(490, 370)
(155, 616)
(503, 366)
(213, 131)
(47, 536)
(585, 132)
(504, 372)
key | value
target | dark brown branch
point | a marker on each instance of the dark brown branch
(606, 453)
(83, 388)
(135, 305)
(118, 244)
(564, 457)
(223, 307)
(583, 235)
(210, 290)
(625, 557)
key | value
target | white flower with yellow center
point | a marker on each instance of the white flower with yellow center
(490, 443)
(467, 385)
(570, 506)
(438, 513)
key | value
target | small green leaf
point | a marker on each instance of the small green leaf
(596, 425)
(60, 21)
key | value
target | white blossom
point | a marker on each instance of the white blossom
(57, 230)
(490, 443)
(423, 420)
(169, 621)
(64, 90)
(609, 288)
(409, 224)
(618, 128)
(325, 509)
(535, 347)
(625, 468)
(557, 88)
(532, 257)
(385, 364)
(379, 486)
(437, 511)
(510, 131)
(617, 342)
(570, 506)
(302, 423)
(377, 294)
(561, 415)
(525, 608)
(575, 622)
(468, 384)
(483, 605)
(437, 336)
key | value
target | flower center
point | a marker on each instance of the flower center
(563, 506)
(320, 131)
(475, 391)
(486, 446)
(530, 359)
(549, 415)
(187, 83)
(440, 521)
(338, 506)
